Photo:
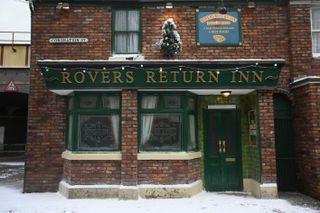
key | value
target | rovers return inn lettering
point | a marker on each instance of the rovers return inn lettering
(252, 77)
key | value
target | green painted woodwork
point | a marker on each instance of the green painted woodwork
(74, 78)
(251, 160)
(222, 150)
(74, 110)
(183, 110)
(286, 175)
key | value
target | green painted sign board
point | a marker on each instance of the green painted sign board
(94, 78)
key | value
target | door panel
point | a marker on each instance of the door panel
(286, 176)
(222, 151)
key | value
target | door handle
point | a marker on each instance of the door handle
(220, 149)
(224, 146)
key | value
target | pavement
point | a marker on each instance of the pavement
(12, 172)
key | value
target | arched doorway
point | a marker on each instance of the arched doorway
(286, 175)
(13, 121)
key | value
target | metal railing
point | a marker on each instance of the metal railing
(15, 37)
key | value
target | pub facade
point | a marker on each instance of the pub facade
(164, 99)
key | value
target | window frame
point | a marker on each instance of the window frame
(114, 9)
(314, 54)
(76, 111)
(183, 110)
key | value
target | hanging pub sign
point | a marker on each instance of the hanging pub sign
(215, 29)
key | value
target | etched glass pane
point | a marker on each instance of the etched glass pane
(161, 131)
(172, 102)
(97, 132)
(88, 102)
(192, 132)
(111, 102)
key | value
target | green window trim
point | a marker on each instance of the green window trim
(75, 112)
(126, 31)
(183, 111)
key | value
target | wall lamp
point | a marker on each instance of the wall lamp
(169, 5)
(63, 6)
(222, 8)
(251, 4)
(225, 93)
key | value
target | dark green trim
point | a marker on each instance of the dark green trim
(221, 156)
(258, 133)
(183, 111)
(159, 2)
(98, 110)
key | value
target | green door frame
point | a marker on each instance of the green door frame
(216, 167)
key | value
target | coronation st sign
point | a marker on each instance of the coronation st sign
(91, 78)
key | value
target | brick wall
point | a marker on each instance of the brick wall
(267, 137)
(306, 101)
(307, 139)
(264, 32)
(168, 171)
(129, 137)
(91, 172)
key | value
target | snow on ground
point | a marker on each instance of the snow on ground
(13, 200)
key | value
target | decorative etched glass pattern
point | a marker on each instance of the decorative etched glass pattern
(88, 102)
(161, 131)
(172, 102)
(98, 132)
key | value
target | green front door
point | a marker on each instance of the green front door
(222, 150)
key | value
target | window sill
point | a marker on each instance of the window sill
(91, 156)
(126, 57)
(169, 155)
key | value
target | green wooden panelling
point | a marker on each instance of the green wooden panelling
(250, 152)
(286, 175)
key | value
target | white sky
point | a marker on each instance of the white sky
(14, 16)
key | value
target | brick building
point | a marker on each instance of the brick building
(14, 89)
(113, 115)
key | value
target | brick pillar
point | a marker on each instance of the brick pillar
(268, 151)
(129, 132)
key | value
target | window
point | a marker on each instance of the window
(315, 29)
(93, 122)
(126, 31)
(167, 122)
